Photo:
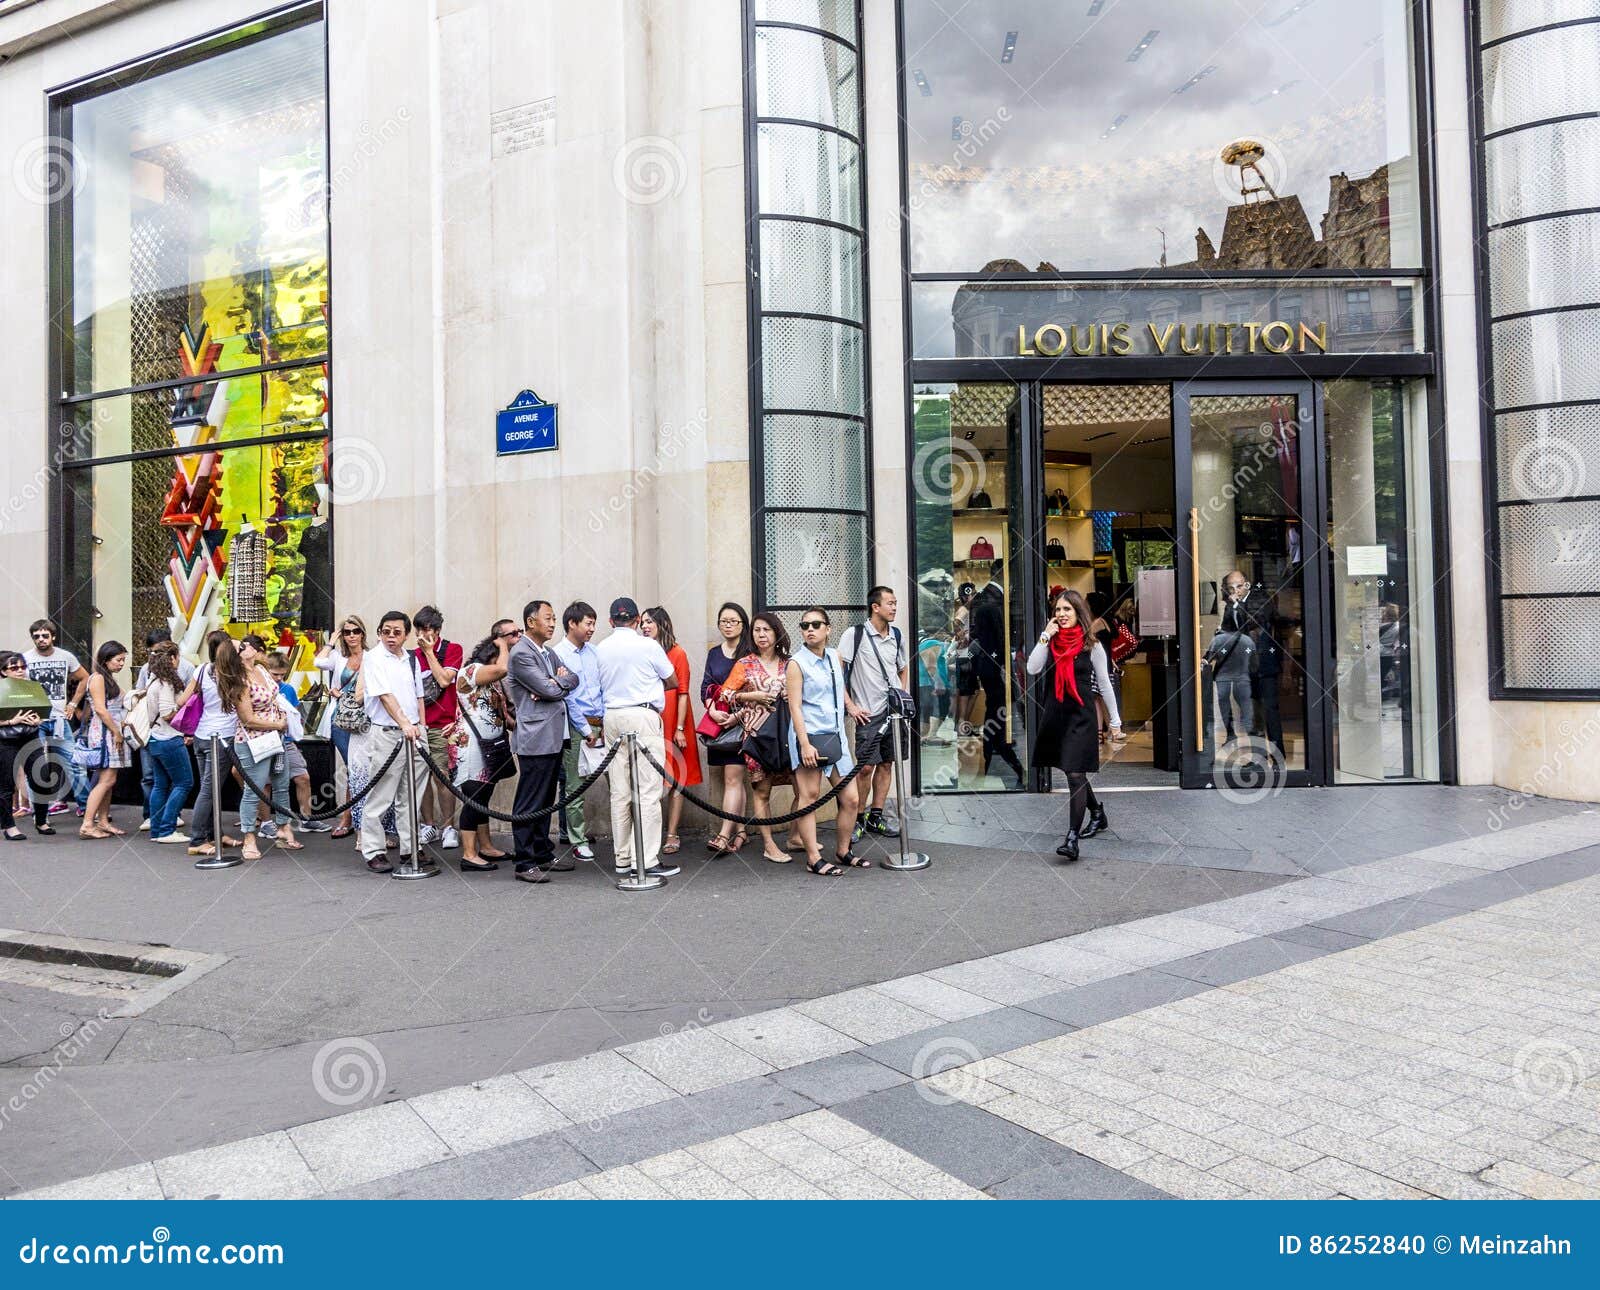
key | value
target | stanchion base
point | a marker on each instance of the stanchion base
(219, 862)
(913, 861)
(634, 883)
(411, 875)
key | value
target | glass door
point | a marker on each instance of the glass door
(1250, 608)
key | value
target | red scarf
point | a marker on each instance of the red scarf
(1064, 647)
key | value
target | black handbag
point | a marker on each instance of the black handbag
(980, 501)
(829, 748)
(1054, 552)
(497, 758)
(728, 739)
(768, 744)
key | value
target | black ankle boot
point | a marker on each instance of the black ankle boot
(1069, 848)
(1096, 823)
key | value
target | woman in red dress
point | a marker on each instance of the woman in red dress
(677, 722)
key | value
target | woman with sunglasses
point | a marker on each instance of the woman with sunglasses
(677, 723)
(481, 722)
(341, 657)
(814, 687)
(16, 733)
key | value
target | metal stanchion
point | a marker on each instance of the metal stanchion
(412, 868)
(909, 860)
(638, 880)
(218, 859)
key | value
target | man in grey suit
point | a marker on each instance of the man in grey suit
(538, 684)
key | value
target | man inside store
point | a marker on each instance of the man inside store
(876, 660)
(438, 660)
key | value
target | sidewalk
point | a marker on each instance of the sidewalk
(461, 981)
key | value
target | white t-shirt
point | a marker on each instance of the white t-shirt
(632, 669)
(383, 674)
(53, 673)
(213, 720)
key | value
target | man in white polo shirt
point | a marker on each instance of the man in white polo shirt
(632, 668)
(392, 683)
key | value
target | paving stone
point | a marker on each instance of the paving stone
(501, 1173)
(1536, 1184)
(1065, 961)
(1189, 935)
(367, 1144)
(704, 1183)
(1282, 1153)
(693, 1060)
(838, 1079)
(937, 998)
(1076, 1179)
(1357, 1183)
(860, 1184)
(1101, 1001)
(664, 1166)
(626, 1182)
(475, 1117)
(1184, 1181)
(1136, 949)
(783, 1184)
(595, 1087)
(956, 1042)
(1100, 1144)
(267, 1167)
(1262, 1179)
(136, 1182)
(1035, 1116)
(730, 1156)
(565, 1191)
(1248, 958)
(963, 1141)
(783, 1037)
(1389, 917)
(865, 1017)
(992, 979)
(1179, 1144)
(1448, 1184)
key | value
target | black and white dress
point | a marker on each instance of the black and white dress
(1069, 732)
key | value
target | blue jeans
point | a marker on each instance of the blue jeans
(171, 780)
(56, 735)
(271, 774)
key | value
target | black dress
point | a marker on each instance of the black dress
(1069, 732)
(718, 666)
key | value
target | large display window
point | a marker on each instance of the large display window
(192, 350)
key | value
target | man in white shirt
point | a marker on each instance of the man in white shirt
(392, 683)
(632, 669)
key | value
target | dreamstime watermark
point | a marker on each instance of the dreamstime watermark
(368, 145)
(649, 170)
(669, 443)
(942, 1069)
(48, 168)
(348, 1071)
(1248, 770)
(947, 470)
(973, 138)
(75, 1038)
(637, 1087)
(1573, 742)
(1270, 449)
(1547, 1070)
(357, 469)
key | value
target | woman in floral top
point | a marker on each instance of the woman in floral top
(757, 685)
(254, 696)
(481, 720)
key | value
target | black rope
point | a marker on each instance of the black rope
(749, 819)
(329, 812)
(543, 812)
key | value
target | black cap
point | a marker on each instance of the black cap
(623, 610)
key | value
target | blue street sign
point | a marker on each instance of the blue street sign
(527, 424)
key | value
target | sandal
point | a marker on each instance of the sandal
(717, 843)
(672, 845)
(202, 849)
(92, 833)
(854, 861)
(342, 831)
(781, 858)
(291, 846)
(824, 868)
(250, 853)
(229, 842)
(740, 837)
(112, 831)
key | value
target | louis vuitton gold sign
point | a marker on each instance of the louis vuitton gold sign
(1118, 339)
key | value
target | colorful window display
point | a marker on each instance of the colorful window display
(193, 434)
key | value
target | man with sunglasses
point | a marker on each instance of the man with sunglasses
(60, 674)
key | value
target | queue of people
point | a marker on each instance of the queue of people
(538, 700)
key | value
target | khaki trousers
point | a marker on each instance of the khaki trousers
(646, 723)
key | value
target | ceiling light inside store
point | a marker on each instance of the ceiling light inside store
(922, 82)
(1010, 50)
(1196, 79)
(1149, 39)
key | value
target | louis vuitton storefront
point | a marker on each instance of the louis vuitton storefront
(1171, 336)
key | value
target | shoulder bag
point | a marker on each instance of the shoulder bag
(350, 715)
(829, 743)
(186, 720)
(768, 744)
(497, 759)
(138, 719)
(1124, 643)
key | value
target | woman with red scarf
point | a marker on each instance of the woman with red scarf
(1074, 667)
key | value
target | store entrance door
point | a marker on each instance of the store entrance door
(1250, 606)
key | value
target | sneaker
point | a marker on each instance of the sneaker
(450, 838)
(316, 826)
(860, 830)
(268, 830)
(144, 825)
(57, 808)
(875, 823)
(173, 839)
(427, 834)
(583, 851)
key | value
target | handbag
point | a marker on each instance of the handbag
(269, 743)
(768, 744)
(982, 549)
(351, 713)
(1124, 644)
(496, 752)
(138, 719)
(89, 756)
(979, 501)
(707, 727)
(1057, 505)
(186, 720)
(1054, 552)
(829, 744)
(900, 703)
(728, 739)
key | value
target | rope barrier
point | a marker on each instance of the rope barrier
(329, 812)
(757, 820)
(543, 812)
